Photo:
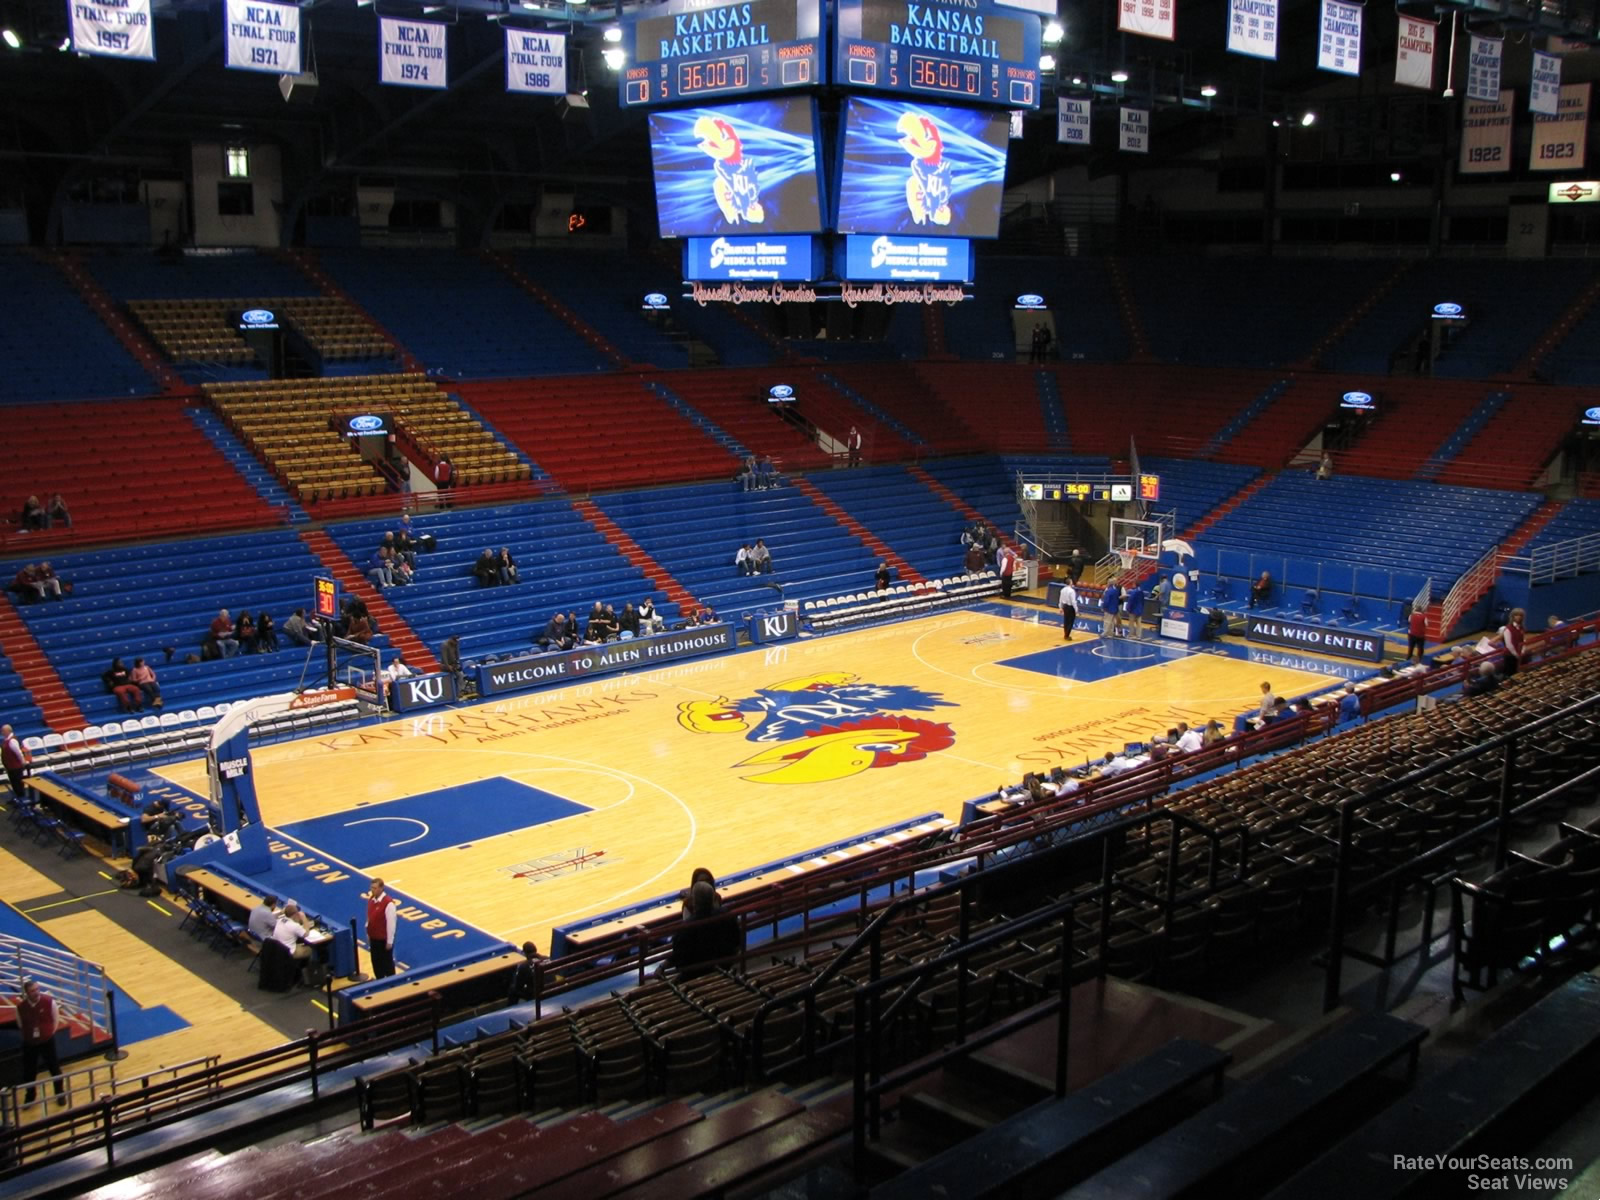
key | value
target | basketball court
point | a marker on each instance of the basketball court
(503, 820)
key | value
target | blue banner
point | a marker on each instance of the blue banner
(536, 670)
(789, 258)
(921, 167)
(937, 260)
(747, 168)
(1323, 639)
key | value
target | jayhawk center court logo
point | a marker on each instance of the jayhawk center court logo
(823, 727)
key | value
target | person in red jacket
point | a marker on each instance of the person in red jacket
(382, 913)
(37, 1020)
(16, 758)
(1417, 634)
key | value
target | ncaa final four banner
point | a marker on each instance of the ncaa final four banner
(1072, 122)
(1486, 135)
(1148, 18)
(412, 53)
(1483, 68)
(1339, 48)
(1253, 28)
(263, 37)
(536, 62)
(1413, 58)
(114, 28)
(1559, 141)
(1134, 130)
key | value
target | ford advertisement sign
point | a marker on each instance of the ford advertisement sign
(780, 393)
(367, 425)
(258, 318)
(655, 301)
(1030, 300)
(1449, 311)
(1362, 400)
(1591, 416)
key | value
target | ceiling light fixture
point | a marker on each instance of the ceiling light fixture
(1047, 62)
(615, 56)
(11, 39)
(1307, 121)
(613, 34)
(1053, 32)
(1208, 91)
(1119, 76)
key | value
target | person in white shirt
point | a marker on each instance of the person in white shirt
(1190, 740)
(290, 931)
(649, 621)
(397, 668)
(1069, 610)
(742, 560)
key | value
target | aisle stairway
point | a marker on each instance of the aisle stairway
(352, 580)
(658, 575)
(44, 686)
(903, 570)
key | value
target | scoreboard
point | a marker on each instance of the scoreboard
(685, 51)
(982, 54)
(1104, 491)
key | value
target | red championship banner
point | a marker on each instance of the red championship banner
(1486, 136)
(1148, 18)
(1413, 60)
(1559, 142)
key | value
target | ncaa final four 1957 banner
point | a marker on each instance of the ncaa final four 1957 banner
(1486, 135)
(114, 28)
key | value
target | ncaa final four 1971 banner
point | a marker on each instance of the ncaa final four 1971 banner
(263, 37)
(1486, 135)
(114, 28)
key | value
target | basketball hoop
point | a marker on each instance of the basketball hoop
(1127, 558)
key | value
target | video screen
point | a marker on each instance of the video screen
(924, 168)
(737, 168)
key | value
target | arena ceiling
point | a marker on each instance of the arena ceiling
(64, 116)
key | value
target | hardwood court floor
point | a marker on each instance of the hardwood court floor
(728, 763)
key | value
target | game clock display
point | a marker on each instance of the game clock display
(982, 54)
(684, 52)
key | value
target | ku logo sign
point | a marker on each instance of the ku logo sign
(424, 691)
(777, 626)
(258, 316)
(366, 424)
(823, 727)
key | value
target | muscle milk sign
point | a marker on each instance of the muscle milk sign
(1322, 639)
(263, 37)
(114, 28)
(536, 62)
(412, 53)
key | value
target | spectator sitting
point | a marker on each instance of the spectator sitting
(649, 621)
(400, 571)
(707, 938)
(52, 584)
(266, 633)
(700, 875)
(762, 558)
(263, 918)
(742, 561)
(487, 569)
(33, 584)
(628, 622)
(398, 668)
(506, 566)
(120, 684)
(144, 676)
(1350, 704)
(222, 634)
(555, 635)
(33, 515)
(295, 628)
(1190, 740)
(525, 979)
(244, 631)
(380, 568)
(1483, 681)
(1261, 591)
(360, 629)
(748, 476)
(1214, 733)
(880, 577)
(405, 547)
(705, 615)
(57, 512)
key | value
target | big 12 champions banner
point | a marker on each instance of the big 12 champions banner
(1483, 68)
(1558, 141)
(263, 37)
(114, 28)
(412, 53)
(1413, 60)
(1486, 135)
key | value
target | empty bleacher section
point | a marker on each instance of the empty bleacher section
(998, 402)
(1244, 312)
(979, 487)
(1510, 304)
(735, 401)
(55, 347)
(207, 331)
(1292, 417)
(696, 535)
(198, 275)
(134, 602)
(1417, 421)
(564, 562)
(1575, 358)
(895, 392)
(287, 424)
(1160, 407)
(1577, 518)
(1376, 538)
(1515, 445)
(607, 292)
(508, 333)
(912, 521)
(1192, 490)
(126, 469)
(600, 432)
